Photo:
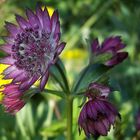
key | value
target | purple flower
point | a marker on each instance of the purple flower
(12, 98)
(138, 121)
(97, 114)
(111, 46)
(32, 47)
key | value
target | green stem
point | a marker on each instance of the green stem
(69, 117)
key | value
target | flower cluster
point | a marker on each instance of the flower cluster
(97, 115)
(32, 47)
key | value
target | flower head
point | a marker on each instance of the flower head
(12, 98)
(97, 115)
(32, 47)
(111, 48)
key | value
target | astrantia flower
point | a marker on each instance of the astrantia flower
(97, 114)
(12, 98)
(110, 49)
(32, 47)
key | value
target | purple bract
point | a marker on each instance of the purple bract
(97, 114)
(32, 47)
(112, 46)
(13, 98)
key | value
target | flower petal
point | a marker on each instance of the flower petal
(54, 20)
(39, 14)
(91, 110)
(9, 70)
(6, 48)
(13, 74)
(83, 115)
(94, 45)
(118, 58)
(106, 124)
(60, 48)
(13, 29)
(7, 60)
(112, 43)
(10, 40)
(20, 78)
(100, 128)
(26, 85)
(57, 28)
(44, 80)
(46, 21)
(22, 22)
(33, 19)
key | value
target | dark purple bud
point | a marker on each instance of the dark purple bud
(110, 49)
(97, 115)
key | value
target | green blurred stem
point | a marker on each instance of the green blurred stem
(69, 102)
(90, 22)
(51, 104)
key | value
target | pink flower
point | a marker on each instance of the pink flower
(12, 98)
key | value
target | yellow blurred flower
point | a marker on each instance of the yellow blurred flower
(1, 96)
(2, 81)
(50, 10)
(74, 54)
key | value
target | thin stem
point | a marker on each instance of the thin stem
(69, 117)
(51, 105)
(57, 112)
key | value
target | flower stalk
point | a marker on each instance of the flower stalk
(69, 103)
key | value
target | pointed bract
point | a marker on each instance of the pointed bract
(12, 100)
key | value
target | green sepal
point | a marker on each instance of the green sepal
(101, 58)
(58, 73)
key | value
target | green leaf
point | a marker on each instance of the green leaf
(54, 92)
(58, 73)
(104, 80)
(90, 74)
(54, 129)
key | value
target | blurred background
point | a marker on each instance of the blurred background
(43, 117)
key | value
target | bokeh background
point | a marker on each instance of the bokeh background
(43, 118)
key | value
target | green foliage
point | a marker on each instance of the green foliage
(91, 73)
(58, 73)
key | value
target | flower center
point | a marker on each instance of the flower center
(32, 50)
